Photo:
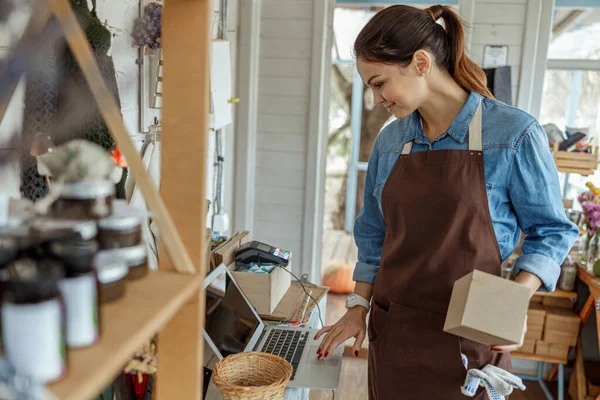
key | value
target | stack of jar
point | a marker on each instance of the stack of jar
(53, 278)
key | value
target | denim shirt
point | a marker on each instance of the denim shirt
(521, 179)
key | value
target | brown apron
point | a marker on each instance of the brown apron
(438, 229)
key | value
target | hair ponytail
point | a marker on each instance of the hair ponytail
(465, 71)
(394, 34)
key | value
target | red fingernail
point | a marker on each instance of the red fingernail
(355, 353)
(326, 354)
(318, 351)
(320, 357)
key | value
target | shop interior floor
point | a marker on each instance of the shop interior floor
(353, 385)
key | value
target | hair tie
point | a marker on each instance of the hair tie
(440, 21)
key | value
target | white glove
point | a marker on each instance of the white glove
(497, 382)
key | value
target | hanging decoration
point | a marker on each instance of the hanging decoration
(147, 29)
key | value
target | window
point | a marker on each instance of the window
(571, 94)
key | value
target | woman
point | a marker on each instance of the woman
(449, 185)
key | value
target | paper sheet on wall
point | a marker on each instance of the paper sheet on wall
(220, 84)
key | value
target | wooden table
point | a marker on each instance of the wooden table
(591, 305)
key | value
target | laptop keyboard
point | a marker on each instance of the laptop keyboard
(288, 344)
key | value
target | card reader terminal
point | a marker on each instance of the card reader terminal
(258, 252)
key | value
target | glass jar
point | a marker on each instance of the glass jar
(112, 272)
(79, 290)
(85, 200)
(32, 320)
(583, 249)
(117, 232)
(568, 275)
(592, 252)
(136, 259)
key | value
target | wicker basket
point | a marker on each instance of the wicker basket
(252, 376)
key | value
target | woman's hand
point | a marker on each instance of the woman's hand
(352, 324)
(512, 347)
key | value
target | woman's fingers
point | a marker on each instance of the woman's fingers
(333, 341)
(323, 330)
(506, 349)
(358, 342)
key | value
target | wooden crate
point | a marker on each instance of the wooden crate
(575, 162)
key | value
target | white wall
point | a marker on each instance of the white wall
(500, 22)
(282, 131)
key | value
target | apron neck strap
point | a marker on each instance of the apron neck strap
(475, 142)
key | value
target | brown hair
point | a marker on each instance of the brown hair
(394, 34)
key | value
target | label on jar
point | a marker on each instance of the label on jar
(33, 339)
(81, 303)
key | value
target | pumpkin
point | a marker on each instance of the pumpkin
(338, 277)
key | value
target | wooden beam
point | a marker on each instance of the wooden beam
(587, 310)
(185, 107)
(112, 116)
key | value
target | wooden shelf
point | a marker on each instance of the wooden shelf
(149, 303)
(538, 358)
(561, 294)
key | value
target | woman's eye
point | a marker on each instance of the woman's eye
(378, 85)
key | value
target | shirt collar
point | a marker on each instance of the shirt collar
(458, 128)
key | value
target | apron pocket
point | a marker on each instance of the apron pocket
(437, 353)
(377, 323)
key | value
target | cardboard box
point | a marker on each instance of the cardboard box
(264, 291)
(536, 299)
(557, 302)
(528, 346)
(536, 317)
(543, 348)
(561, 327)
(487, 309)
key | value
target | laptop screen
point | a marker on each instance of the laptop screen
(230, 322)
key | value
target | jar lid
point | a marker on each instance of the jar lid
(33, 280)
(88, 189)
(132, 256)
(77, 256)
(8, 249)
(109, 267)
(120, 223)
(53, 228)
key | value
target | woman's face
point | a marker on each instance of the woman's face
(401, 90)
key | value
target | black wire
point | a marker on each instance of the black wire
(333, 393)
(305, 291)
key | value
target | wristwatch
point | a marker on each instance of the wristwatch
(355, 300)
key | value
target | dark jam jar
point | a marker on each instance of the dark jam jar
(111, 271)
(117, 232)
(136, 259)
(79, 291)
(85, 200)
(32, 319)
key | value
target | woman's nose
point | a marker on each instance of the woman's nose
(377, 98)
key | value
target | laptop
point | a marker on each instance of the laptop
(233, 326)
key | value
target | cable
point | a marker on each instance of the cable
(333, 393)
(305, 291)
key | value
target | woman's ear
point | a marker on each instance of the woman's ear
(422, 62)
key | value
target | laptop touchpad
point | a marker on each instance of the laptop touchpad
(332, 361)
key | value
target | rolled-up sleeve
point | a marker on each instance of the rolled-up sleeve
(534, 192)
(369, 227)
